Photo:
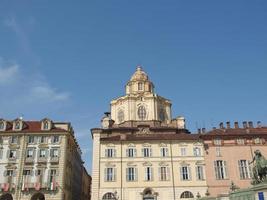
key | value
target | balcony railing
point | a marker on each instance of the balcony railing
(54, 160)
(29, 160)
(42, 159)
(8, 184)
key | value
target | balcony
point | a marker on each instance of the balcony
(42, 159)
(54, 160)
(12, 160)
(8, 184)
(29, 160)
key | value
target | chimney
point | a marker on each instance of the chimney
(236, 125)
(221, 125)
(198, 130)
(259, 124)
(250, 124)
(203, 130)
(228, 125)
(245, 124)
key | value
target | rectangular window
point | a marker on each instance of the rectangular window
(197, 151)
(42, 153)
(218, 151)
(109, 174)
(31, 139)
(54, 153)
(217, 141)
(148, 173)
(26, 172)
(131, 174)
(200, 172)
(55, 139)
(244, 169)
(240, 141)
(131, 152)
(110, 153)
(183, 151)
(29, 153)
(12, 154)
(140, 86)
(43, 139)
(185, 173)
(164, 152)
(14, 139)
(163, 173)
(220, 169)
(147, 152)
(53, 173)
(9, 172)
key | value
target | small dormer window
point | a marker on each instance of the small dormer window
(46, 125)
(140, 86)
(17, 125)
(2, 125)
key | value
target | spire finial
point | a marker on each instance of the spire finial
(139, 68)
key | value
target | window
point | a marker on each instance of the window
(257, 140)
(29, 153)
(110, 153)
(9, 172)
(141, 113)
(140, 86)
(14, 139)
(53, 173)
(217, 141)
(147, 152)
(109, 196)
(197, 151)
(244, 169)
(120, 116)
(161, 115)
(46, 125)
(186, 195)
(110, 174)
(200, 172)
(17, 125)
(31, 139)
(163, 173)
(218, 151)
(55, 139)
(183, 151)
(220, 169)
(148, 173)
(42, 139)
(164, 151)
(240, 141)
(42, 153)
(131, 152)
(54, 153)
(26, 172)
(2, 125)
(185, 173)
(12, 154)
(131, 174)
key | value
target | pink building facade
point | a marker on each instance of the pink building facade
(228, 153)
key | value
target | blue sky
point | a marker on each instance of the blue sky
(66, 60)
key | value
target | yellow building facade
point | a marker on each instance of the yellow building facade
(141, 152)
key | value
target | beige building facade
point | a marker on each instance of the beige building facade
(39, 160)
(140, 152)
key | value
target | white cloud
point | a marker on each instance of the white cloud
(8, 74)
(47, 94)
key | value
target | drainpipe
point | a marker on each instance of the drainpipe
(173, 186)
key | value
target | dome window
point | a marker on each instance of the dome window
(142, 113)
(120, 116)
(140, 86)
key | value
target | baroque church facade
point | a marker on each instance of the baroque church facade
(141, 152)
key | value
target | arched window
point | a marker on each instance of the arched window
(142, 113)
(186, 195)
(120, 116)
(109, 196)
(38, 196)
(17, 125)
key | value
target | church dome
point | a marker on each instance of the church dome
(139, 75)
